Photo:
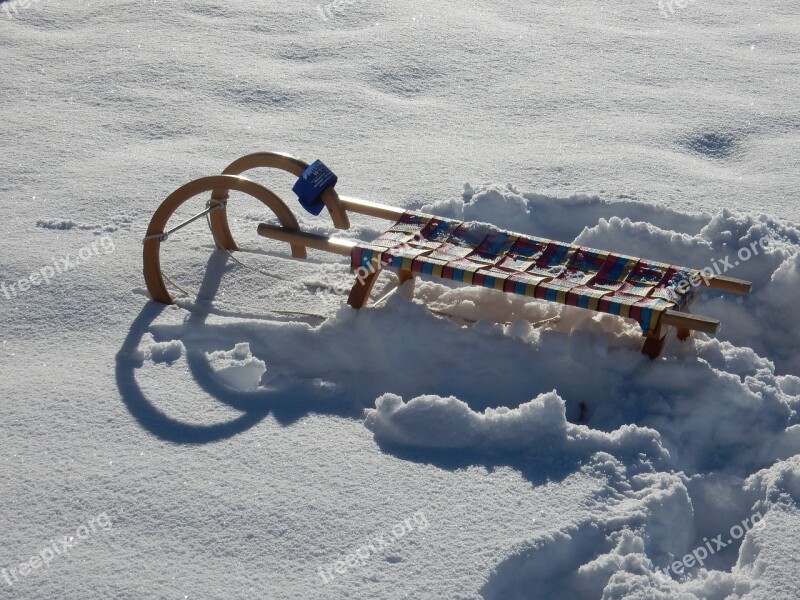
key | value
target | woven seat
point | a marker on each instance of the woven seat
(478, 254)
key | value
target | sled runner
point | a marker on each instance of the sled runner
(656, 295)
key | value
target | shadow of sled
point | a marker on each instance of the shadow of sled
(285, 405)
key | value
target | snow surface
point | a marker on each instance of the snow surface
(515, 450)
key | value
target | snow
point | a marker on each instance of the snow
(516, 449)
(238, 368)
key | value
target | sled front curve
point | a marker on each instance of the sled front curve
(290, 164)
(216, 210)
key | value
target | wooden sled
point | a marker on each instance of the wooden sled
(656, 295)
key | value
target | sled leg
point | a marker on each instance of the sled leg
(359, 295)
(402, 277)
(654, 342)
(684, 322)
(683, 333)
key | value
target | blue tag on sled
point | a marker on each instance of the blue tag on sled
(312, 183)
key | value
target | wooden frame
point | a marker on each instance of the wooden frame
(153, 277)
(290, 164)
(338, 207)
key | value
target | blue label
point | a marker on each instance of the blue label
(312, 183)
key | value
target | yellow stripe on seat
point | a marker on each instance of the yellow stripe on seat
(594, 302)
(624, 309)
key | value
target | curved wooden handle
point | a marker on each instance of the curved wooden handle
(153, 276)
(295, 166)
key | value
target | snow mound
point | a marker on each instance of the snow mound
(540, 425)
(166, 352)
(117, 223)
(238, 368)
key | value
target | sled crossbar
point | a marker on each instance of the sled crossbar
(683, 320)
(656, 295)
(212, 206)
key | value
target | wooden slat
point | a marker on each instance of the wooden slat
(730, 284)
(309, 240)
(687, 321)
(372, 209)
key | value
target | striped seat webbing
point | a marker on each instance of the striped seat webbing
(482, 255)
